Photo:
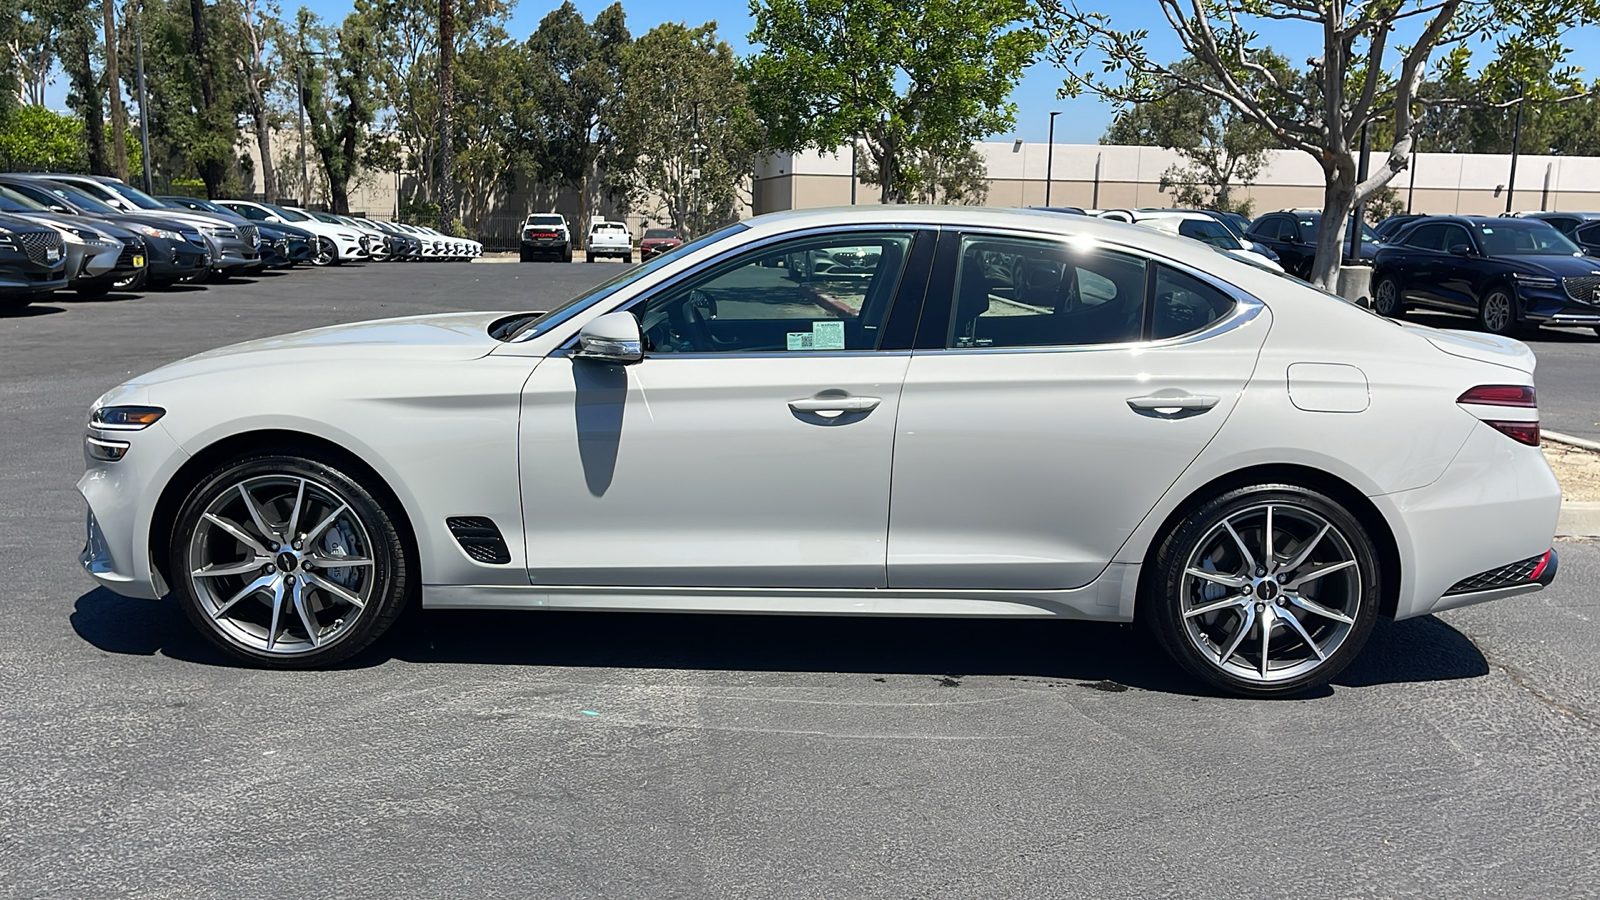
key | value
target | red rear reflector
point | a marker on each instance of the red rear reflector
(1521, 432)
(1500, 395)
(1539, 569)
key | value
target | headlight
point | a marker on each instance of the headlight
(1537, 281)
(346, 237)
(126, 418)
(152, 231)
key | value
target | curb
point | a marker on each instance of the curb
(1578, 519)
(1569, 440)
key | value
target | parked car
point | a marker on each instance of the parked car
(1292, 234)
(33, 261)
(1237, 225)
(1509, 273)
(403, 246)
(546, 235)
(90, 272)
(1393, 225)
(282, 245)
(1205, 229)
(175, 248)
(236, 247)
(335, 244)
(657, 241)
(608, 239)
(1582, 228)
(1215, 458)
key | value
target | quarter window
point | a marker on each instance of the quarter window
(1184, 303)
(1013, 292)
(814, 294)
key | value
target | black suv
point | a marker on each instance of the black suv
(1508, 272)
(1582, 229)
(32, 261)
(1292, 234)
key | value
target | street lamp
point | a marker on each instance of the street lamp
(1050, 157)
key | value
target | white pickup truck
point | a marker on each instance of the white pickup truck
(609, 239)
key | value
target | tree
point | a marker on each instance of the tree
(575, 69)
(119, 114)
(260, 26)
(447, 153)
(683, 120)
(912, 79)
(955, 174)
(36, 138)
(195, 102)
(1322, 109)
(79, 43)
(1221, 147)
(338, 97)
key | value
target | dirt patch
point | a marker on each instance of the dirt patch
(1577, 469)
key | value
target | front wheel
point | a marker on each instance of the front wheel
(1497, 311)
(286, 561)
(1266, 590)
(1386, 298)
(327, 254)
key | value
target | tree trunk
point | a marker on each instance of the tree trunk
(447, 53)
(1338, 199)
(212, 171)
(269, 174)
(119, 115)
(87, 89)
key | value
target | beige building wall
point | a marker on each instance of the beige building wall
(1109, 177)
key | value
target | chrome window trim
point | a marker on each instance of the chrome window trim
(1246, 306)
(673, 281)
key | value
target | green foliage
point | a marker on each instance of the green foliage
(688, 139)
(337, 93)
(34, 138)
(916, 79)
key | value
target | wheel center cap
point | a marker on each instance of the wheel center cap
(1267, 589)
(287, 561)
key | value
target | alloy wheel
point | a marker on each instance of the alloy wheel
(326, 253)
(1496, 315)
(1271, 592)
(281, 564)
(1386, 299)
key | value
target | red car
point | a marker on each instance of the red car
(658, 241)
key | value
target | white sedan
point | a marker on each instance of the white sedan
(1006, 414)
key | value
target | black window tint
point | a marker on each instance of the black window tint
(1307, 230)
(1456, 236)
(1013, 292)
(815, 294)
(1184, 303)
(1268, 229)
(1426, 237)
(1589, 234)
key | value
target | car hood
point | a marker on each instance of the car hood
(444, 336)
(1500, 351)
(1559, 266)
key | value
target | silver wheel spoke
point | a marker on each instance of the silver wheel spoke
(322, 526)
(1238, 638)
(1312, 606)
(1300, 581)
(1233, 581)
(1249, 559)
(305, 614)
(239, 534)
(256, 515)
(1267, 616)
(1294, 623)
(294, 513)
(260, 584)
(336, 590)
(1213, 607)
(277, 613)
(1306, 549)
(1269, 557)
(217, 570)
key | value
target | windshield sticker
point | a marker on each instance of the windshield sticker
(1487, 230)
(800, 340)
(827, 335)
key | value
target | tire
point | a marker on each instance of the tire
(326, 253)
(588, 257)
(524, 257)
(1386, 299)
(566, 255)
(1317, 624)
(628, 257)
(1497, 311)
(279, 605)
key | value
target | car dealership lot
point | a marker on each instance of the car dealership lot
(571, 755)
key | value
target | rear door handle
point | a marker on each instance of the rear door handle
(1174, 402)
(834, 405)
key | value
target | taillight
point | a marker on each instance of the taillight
(1500, 395)
(1505, 396)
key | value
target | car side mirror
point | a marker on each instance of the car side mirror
(611, 338)
(1461, 249)
(1291, 239)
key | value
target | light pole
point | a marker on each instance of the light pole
(1516, 147)
(144, 116)
(1050, 157)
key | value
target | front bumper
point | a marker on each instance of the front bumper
(19, 276)
(121, 498)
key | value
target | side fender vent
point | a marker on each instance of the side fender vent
(480, 538)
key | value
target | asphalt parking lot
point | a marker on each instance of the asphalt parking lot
(560, 755)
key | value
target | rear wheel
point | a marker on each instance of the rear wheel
(286, 561)
(1497, 311)
(588, 257)
(628, 257)
(1386, 298)
(1266, 590)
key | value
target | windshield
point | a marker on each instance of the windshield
(1209, 231)
(208, 206)
(288, 214)
(660, 233)
(1524, 237)
(605, 289)
(134, 195)
(322, 217)
(1308, 228)
(544, 220)
(12, 201)
(83, 201)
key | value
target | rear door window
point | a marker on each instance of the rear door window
(1017, 292)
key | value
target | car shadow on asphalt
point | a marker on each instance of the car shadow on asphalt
(29, 311)
(1104, 656)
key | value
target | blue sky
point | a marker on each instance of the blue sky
(1083, 119)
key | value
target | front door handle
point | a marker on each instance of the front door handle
(1173, 402)
(834, 406)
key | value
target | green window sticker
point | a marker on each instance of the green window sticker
(827, 335)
